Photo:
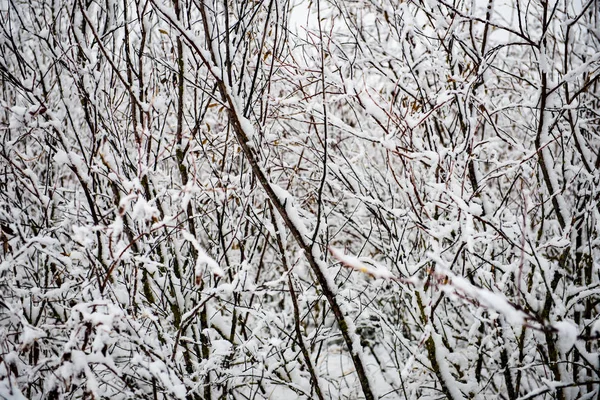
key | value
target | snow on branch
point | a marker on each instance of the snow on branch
(203, 260)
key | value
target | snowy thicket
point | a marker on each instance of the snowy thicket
(353, 199)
